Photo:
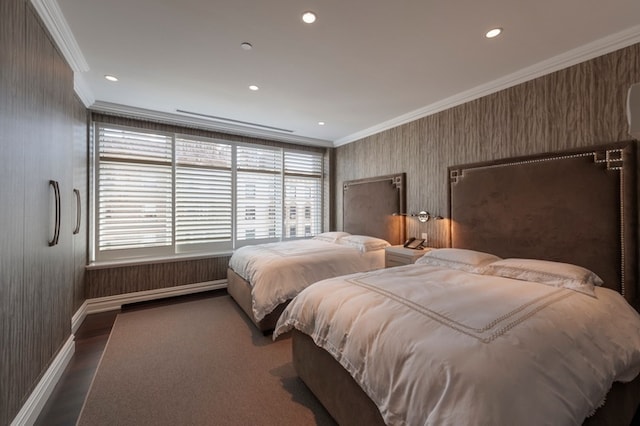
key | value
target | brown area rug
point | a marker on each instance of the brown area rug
(197, 363)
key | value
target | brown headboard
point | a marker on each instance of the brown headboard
(576, 207)
(374, 207)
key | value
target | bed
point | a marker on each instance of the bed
(262, 279)
(575, 209)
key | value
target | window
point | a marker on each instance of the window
(303, 191)
(134, 205)
(161, 194)
(203, 191)
(259, 190)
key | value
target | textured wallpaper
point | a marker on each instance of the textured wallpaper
(579, 106)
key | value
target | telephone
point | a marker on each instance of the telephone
(413, 243)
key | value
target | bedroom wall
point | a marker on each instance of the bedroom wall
(39, 116)
(579, 106)
(115, 280)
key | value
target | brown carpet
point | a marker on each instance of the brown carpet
(197, 363)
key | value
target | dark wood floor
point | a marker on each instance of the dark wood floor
(65, 403)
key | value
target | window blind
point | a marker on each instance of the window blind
(135, 205)
(161, 194)
(258, 194)
(203, 186)
(302, 193)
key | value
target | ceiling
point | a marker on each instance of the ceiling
(362, 67)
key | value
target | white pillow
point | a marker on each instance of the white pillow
(331, 237)
(454, 258)
(555, 274)
(364, 243)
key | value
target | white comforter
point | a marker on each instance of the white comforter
(279, 271)
(434, 346)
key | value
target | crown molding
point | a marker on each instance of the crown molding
(572, 57)
(83, 90)
(50, 13)
(207, 124)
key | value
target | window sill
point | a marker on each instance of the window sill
(157, 259)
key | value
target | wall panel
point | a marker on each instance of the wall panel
(102, 282)
(579, 106)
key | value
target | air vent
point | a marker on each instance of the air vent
(230, 120)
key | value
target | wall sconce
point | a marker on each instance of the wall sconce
(423, 216)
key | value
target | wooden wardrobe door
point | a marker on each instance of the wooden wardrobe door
(12, 196)
(48, 281)
(81, 184)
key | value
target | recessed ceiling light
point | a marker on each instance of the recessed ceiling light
(321, 123)
(246, 46)
(309, 17)
(111, 77)
(253, 87)
(493, 33)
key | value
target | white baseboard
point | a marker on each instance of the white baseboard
(111, 303)
(78, 317)
(38, 398)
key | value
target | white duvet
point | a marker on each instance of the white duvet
(279, 271)
(434, 346)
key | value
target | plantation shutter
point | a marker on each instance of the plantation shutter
(203, 194)
(134, 184)
(258, 194)
(302, 193)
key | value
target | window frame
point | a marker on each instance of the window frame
(177, 250)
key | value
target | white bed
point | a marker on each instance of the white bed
(434, 343)
(279, 271)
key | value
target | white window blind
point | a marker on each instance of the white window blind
(258, 194)
(162, 194)
(203, 194)
(135, 206)
(303, 193)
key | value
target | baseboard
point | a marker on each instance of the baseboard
(78, 318)
(111, 303)
(38, 398)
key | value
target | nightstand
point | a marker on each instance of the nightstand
(398, 255)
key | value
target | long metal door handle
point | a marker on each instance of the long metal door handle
(76, 230)
(56, 232)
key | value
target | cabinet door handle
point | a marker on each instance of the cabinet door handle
(56, 232)
(76, 230)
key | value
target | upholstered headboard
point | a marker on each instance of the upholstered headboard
(374, 207)
(576, 207)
